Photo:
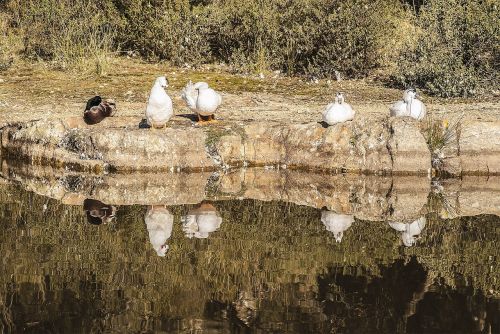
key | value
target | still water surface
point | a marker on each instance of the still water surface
(241, 266)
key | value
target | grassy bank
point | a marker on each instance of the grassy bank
(447, 47)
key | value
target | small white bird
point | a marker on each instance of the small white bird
(410, 231)
(338, 111)
(202, 221)
(159, 222)
(202, 100)
(336, 223)
(410, 106)
(159, 109)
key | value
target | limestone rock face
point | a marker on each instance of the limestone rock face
(479, 144)
(408, 147)
(311, 146)
(392, 145)
(230, 150)
(143, 149)
(355, 146)
(48, 132)
(264, 144)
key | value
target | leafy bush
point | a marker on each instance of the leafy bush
(302, 36)
(448, 47)
(10, 43)
(243, 33)
(296, 36)
(160, 29)
(457, 48)
(349, 36)
(67, 32)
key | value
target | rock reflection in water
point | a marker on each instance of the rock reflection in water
(201, 221)
(336, 223)
(159, 222)
(409, 231)
(97, 212)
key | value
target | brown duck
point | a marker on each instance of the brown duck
(96, 110)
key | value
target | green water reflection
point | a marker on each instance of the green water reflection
(240, 266)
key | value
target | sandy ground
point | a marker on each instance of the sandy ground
(30, 92)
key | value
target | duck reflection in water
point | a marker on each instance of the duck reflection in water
(336, 223)
(98, 212)
(201, 221)
(159, 222)
(410, 231)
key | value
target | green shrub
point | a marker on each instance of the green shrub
(295, 36)
(349, 36)
(160, 29)
(10, 40)
(301, 36)
(457, 49)
(67, 32)
(447, 47)
(242, 33)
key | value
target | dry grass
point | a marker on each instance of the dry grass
(441, 135)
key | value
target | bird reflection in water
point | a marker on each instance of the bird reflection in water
(410, 231)
(336, 223)
(159, 222)
(201, 221)
(98, 212)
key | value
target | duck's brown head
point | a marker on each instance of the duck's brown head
(93, 102)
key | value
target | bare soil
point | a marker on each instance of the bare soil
(34, 91)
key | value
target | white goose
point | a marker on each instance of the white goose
(202, 221)
(409, 106)
(202, 100)
(336, 223)
(338, 111)
(159, 222)
(159, 109)
(410, 231)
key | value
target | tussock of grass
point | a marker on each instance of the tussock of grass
(440, 135)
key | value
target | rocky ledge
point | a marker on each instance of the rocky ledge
(391, 146)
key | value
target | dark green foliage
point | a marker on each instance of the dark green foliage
(457, 49)
(448, 47)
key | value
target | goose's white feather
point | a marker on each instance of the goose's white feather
(201, 99)
(336, 223)
(159, 222)
(409, 106)
(338, 111)
(399, 109)
(159, 109)
(409, 231)
(200, 224)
